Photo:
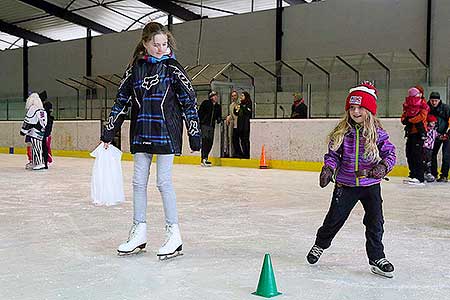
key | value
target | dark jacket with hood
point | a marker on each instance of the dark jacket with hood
(442, 113)
(209, 113)
(160, 95)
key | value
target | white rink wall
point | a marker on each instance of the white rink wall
(284, 139)
(66, 135)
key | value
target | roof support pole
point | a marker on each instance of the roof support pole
(25, 69)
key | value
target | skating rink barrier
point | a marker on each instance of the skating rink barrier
(289, 144)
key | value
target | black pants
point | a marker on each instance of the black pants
(414, 154)
(445, 157)
(236, 145)
(45, 151)
(207, 140)
(244, 140)
(427, 158)
(344, 200)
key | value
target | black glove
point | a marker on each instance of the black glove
(406, 121)
(326, 175)
(195, 143)
(379, 170)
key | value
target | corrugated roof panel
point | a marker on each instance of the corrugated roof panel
(102, 12)
(13, 10)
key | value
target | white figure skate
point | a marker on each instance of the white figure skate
(173, 245)
(137, 240)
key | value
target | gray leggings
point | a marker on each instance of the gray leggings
(164, 164)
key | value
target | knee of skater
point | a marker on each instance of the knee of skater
(139, 184)
(164, 185)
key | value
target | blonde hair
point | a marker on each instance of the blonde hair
(148, 32)
(33, 99)
(369, 133)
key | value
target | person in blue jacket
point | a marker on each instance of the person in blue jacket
(160, 95)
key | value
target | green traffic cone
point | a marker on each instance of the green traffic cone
(267, 287)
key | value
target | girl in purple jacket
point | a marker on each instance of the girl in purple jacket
(359, 156)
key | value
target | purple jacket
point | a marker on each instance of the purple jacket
(346, 160)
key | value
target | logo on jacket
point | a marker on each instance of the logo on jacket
(193, 128)
(150, 81)
(184, 80)
(128, 73)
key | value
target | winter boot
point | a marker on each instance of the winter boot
(173, 245)
(442, 179)
(429, 178)
(205, 163)
(39, 167)
(382, 267)
(314, 254)
(137, 238)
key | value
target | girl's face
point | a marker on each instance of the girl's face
(157, 46)
(358, 113)
(431, 124)
(242, 97)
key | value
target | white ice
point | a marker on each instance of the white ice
(54, 244)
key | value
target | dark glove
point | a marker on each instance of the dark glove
(326, 175)
(406, 121)
(21, 133)
(379, 170)
(195, 143)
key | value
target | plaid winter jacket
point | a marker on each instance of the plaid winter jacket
(160, 96)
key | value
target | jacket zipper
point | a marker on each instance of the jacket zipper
(357, 154)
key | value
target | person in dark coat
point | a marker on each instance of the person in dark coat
(47, 140)
(209, 114)
(299, 110)
(442, 113)
(244, 113)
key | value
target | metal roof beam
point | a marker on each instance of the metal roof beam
(24, 34)
(67, 15)
(172, 8)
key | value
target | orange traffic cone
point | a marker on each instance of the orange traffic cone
(262, 161)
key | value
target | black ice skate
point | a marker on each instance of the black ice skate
(382, 267)
(314, 254)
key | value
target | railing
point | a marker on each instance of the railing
(324, 83)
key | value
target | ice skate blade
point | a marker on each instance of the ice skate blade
(169, 256)
(135, 251)
(174, 254)
(377, 271)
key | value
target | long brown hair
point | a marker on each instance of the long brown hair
(148, 32)
(248, 99)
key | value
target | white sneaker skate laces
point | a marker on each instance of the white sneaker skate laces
(382, 262)
(168, 235)
(316, 251)
(132, 232)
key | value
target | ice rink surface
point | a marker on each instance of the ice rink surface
(54, 244)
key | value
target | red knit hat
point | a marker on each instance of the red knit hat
(431, 118)
(365, 95)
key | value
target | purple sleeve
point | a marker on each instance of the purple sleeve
(387, 149)
(333, 158)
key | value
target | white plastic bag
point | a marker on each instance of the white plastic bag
(107, 181)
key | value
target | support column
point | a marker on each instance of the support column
(278, 42)
(25, 69)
